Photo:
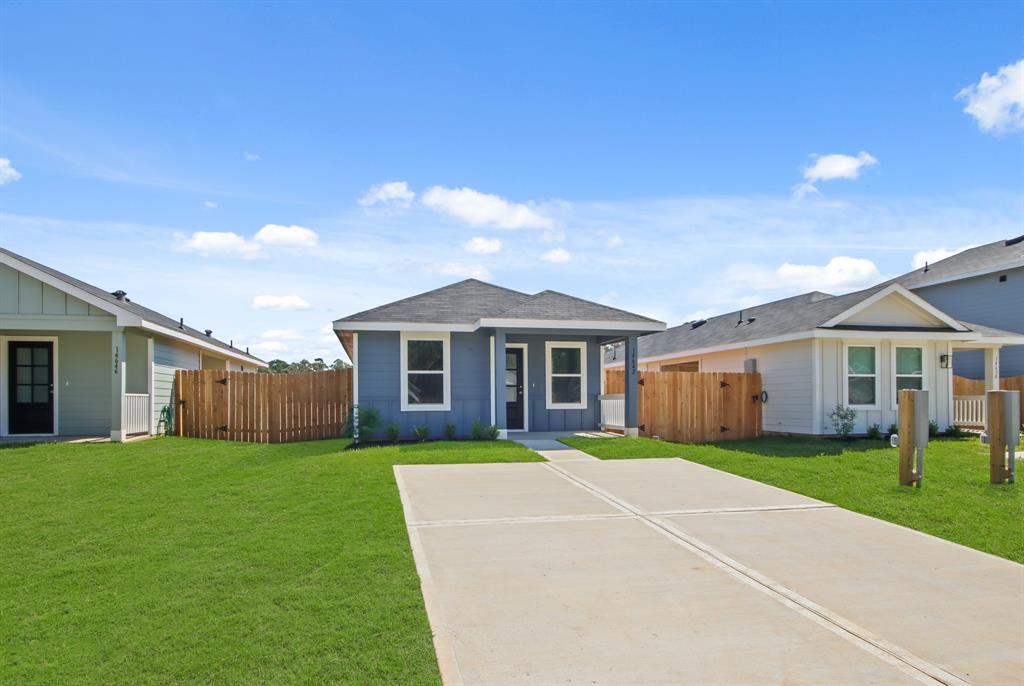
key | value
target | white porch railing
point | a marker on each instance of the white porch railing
(613, 411)
(969, 410)
(136, 413)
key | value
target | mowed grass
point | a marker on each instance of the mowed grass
(189, 561)
(957, 502)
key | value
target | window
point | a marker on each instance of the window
(566, 375)
(426, 379)
(909, 370)
(862, 375)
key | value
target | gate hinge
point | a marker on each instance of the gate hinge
(722, 429)
(223, 382)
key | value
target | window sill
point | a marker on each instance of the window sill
(426, 408)
(566, 406)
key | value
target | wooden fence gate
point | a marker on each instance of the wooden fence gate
(262, 408)
(695, 407)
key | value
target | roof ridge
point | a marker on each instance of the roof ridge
(577, 298)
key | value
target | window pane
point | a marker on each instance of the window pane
(566, 389)
(426, 355)
(40, 355)
(426, 389)
(862, 390)
(909, 361)
(511, 394)
(511, 360)
(912, 382)
(23, 394)
(565, 360)
(24, 355)
(40, 374)
(24, 375)
(40, 394)
(861, 360)
(511, 377)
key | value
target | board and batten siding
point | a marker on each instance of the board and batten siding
(168, 356)
(543, 419)
(21, 294)
(984, 300)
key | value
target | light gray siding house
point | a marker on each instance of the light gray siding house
(76, 360)
(474, 352)
(985, 285)
(816, 351)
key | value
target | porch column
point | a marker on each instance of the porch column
(150, 383)
(632, 390)
(991, 376)
(118, 353)
(500, 419)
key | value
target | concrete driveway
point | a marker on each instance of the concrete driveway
(667, 572)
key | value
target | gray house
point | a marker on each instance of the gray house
(472, 351)
(77, 360)
(983, 285)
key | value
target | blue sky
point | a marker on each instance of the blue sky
(263, 169)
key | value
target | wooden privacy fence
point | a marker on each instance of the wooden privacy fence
(695, 407)
(262, 408)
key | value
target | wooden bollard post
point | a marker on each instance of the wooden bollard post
(907, 449)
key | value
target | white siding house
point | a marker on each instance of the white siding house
(817, 351)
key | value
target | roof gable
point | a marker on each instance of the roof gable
(457, 303)
(984, 259)
(894, 307)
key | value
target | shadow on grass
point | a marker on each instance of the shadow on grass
(800, 447)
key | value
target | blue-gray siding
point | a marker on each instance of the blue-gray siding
(984, 300)
(380, 384)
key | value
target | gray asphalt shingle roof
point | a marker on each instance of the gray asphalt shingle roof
(982, 258)
(467, 301)
(144, 312)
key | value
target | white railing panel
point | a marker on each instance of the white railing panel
(613, 411)
(969, 410)
(136, 413)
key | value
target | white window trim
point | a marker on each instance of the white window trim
(5, 389)
(445, 338)
(846, 375)
(548, 347)
(925, 376)
(526, 384)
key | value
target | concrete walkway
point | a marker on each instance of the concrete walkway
(668, 572)
(547, 445)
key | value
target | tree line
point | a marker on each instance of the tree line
(317, 365)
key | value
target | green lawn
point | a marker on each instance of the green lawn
(183, 560)
(957, 502)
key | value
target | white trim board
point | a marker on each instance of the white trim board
(5, 389)
(895, 289)
(582, 346)
(446, 372)
(434, 327)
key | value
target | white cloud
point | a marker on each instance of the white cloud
(250, 156)
(997, 101)
(210, 205)
(483, 209)
(932, 256)
(270, 347)
(8, 174)
(614, 241)
(281, 335)
(465, 271)
(217, 243)
(841, 273)
(279, 302)
(482, 246)
(829, 167)
(287, 236)
(556, 256)
(392, 192)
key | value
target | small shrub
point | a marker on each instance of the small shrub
(893, 429)
(449, 431)
(843, 419)
(421, 431)
(954, 431)
(933, 429)
(875, 432)
(479, 432)
(392, 432)
(491, 433)
(369, 419)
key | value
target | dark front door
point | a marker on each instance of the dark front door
(30, 396)
(514, 388)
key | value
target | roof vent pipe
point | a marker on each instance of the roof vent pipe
(181, 323)
(926, 267)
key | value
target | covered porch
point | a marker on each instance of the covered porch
(75, 380)
(970, 409)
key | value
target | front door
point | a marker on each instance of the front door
(514, 388)
(30, 392)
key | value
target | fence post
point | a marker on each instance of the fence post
(913, 435)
